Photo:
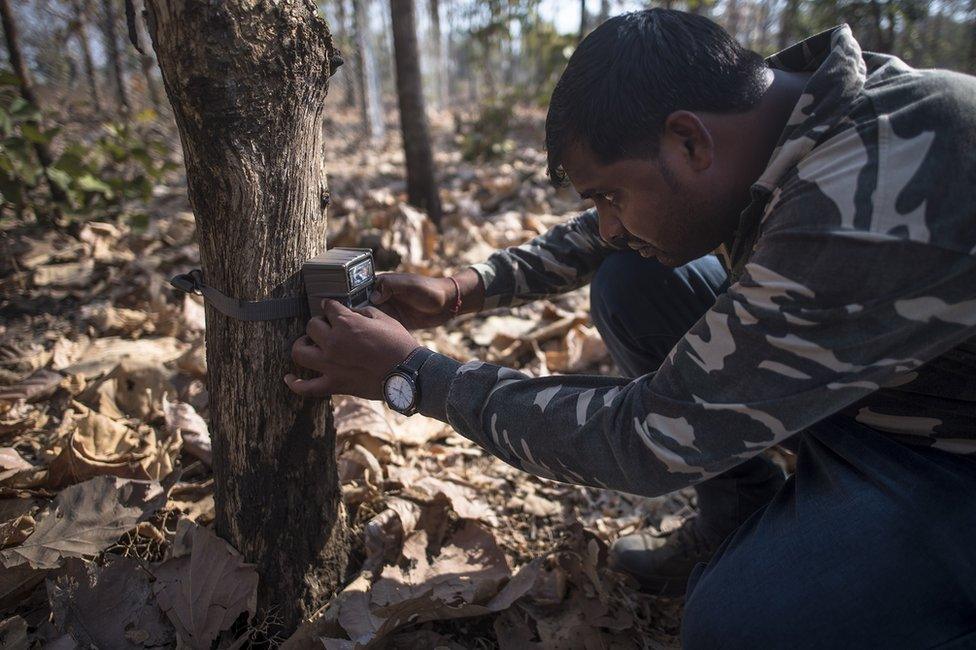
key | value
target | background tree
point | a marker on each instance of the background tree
(248, 88)
(110, 33)
(80, 9)
(422, 188)
(12, 38)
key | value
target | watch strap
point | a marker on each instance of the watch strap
(416, 360)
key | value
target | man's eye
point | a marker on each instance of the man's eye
(610, 198)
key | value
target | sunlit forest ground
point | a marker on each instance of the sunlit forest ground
(104, 373)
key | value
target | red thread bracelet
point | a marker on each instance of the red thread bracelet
(456, 309)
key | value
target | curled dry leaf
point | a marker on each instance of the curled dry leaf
(11, 462)
(97, 445)
(204, 586)
(102, 355)
(109, 606)
(85, 519)
(463, 499)
(460, 581)
(183, 420)
(36, 386)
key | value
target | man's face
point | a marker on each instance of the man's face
(671, 207)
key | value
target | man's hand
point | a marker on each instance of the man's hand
(418, 301)
(352, 350)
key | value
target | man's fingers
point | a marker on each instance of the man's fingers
(332, 310)
(373, 312)
(315, 387)
(318, 330)
(306, 354)
(382, 290)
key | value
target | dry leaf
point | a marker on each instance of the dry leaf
(72, 274)
(109, 606)
(36, 386)
(204, 586)
(183, 420)
(102, 355)
(85, 519)
(97, 445)
(13, 634)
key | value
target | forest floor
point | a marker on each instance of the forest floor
(103, 396)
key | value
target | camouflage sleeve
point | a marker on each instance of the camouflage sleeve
(562, 259)
(813, 325)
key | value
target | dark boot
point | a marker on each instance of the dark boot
(662, 562)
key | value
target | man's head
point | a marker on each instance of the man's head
(631, 125)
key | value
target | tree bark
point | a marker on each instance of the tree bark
(114, 57)
(439, 51)
(421, 182)
(371, 109)
(12, 38)
(81, 33)
(247, 82)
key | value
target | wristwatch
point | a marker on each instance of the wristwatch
(400, 389)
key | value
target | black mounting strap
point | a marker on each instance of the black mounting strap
(245, 310)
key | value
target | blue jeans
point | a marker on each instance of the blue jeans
(870, 543)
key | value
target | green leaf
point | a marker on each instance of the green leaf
(89, 183)
(31, 131)
(59, 177)
(8, 78)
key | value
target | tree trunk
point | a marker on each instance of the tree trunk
(371, 108)
(81, 33)
(604, 12)
(972, 37)
(349, 96)
(421, 182)
(247, 82)
(12, 38)
(114, 57)
(733, 15)
(582, 29)
(440, 53)
(788, 23)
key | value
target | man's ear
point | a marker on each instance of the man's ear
(687, 139)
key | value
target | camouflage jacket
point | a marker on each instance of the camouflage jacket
(853, 293)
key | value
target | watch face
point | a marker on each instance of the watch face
(399, 392)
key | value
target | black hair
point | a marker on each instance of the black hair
(637, 68)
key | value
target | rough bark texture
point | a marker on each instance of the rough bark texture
(421, 182)
(114, 57)
(247, 81)
(12, 38)
(788, 23)
(80, 28)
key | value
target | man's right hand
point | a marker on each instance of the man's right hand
(419, 301)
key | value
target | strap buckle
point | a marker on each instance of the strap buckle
(191, 282)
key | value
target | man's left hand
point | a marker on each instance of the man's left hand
(352, 350)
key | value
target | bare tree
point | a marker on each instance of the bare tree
(583, 22)
(110, 33)
(12, 38)
(79, 27)
(371, 107)
(422, 188)
(247, 83)
(788, 23)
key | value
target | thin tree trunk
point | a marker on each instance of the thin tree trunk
(440, 53)
(421, 182)
(12, 38)
(349, 96)
(81, 33)
(114, 57)
(972, 37)
(604, 12)
(583, 26)
(247, 83)
(374, 125)
(788, 23)
(732, 13)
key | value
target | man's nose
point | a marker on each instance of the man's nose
(610, 226)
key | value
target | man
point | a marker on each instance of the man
(836, 186)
